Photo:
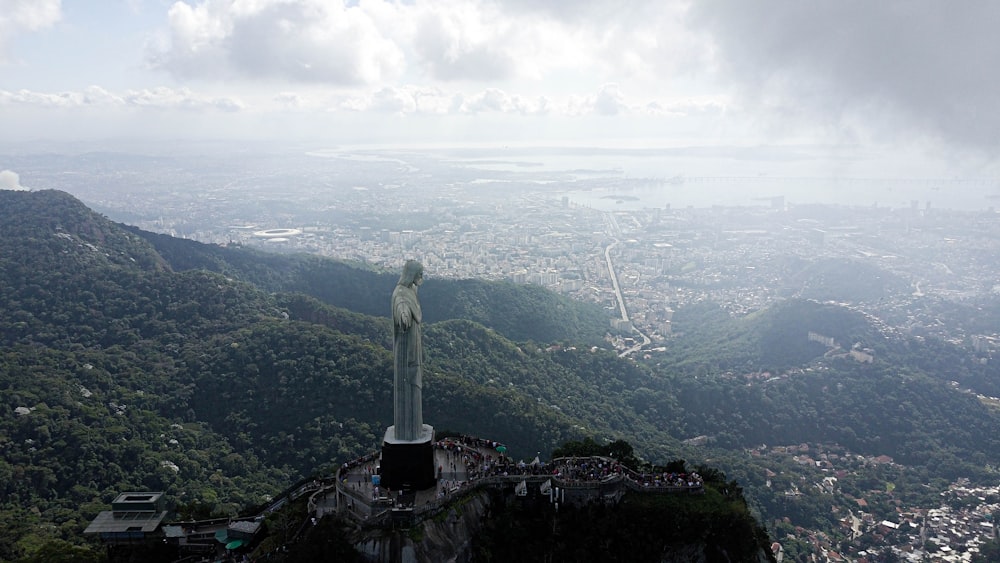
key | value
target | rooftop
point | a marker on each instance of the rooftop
(116, 521)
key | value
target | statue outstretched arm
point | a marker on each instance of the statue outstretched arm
(404, 315)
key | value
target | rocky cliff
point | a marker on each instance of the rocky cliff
(444, 537)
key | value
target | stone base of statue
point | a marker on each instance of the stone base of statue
(408, 464)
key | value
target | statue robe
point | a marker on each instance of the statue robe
(408, 367)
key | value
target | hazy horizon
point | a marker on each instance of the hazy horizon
(890, 89)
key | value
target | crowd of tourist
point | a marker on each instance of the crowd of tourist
(368, 459)
(468, 459)
(586, 469)
(484, 458)
(667, 479)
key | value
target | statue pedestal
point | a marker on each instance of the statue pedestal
(408, 464)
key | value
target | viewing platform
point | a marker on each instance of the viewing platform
(464, 464)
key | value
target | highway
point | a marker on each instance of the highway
(611, 225)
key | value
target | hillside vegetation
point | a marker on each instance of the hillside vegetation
(519, 312)
(120, 370)
(130, 360)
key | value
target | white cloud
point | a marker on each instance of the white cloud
(889, 69)
(707, 106)
(382, 43)
(89, 97)
(18, 16)
(97, 97)
(494, 100)
(300, 41)
(29, 15)
(465, 41)
(393, 100)
(588, 42)
(434, 101)
(10, 180)
(610, 101)
(169, 98)
(290, 100)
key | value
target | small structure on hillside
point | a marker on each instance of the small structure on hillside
(135, 517)
(137, 524)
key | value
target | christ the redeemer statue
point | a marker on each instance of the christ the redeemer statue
(407, 452)
(407, 349)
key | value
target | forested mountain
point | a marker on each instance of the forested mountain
(778, 386)
(518, 312)
(122, 371)
(130, 360)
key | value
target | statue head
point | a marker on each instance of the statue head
(413, 273)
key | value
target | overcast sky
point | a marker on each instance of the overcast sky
(914, 77)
